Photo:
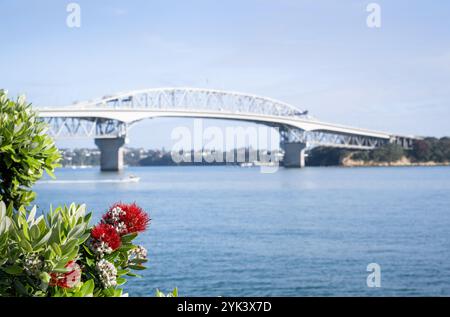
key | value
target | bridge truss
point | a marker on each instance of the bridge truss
(63, 128)
(328, 139)
(200, 99)
(203, 100)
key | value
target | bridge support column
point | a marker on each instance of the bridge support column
(294, 155)
(111, 153)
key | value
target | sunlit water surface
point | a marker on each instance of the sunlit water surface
(225, 231)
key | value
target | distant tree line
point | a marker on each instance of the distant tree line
(387, 153)
(91, 157)
(142, 157)
(80, 157)
(427, 150)
(432, 149)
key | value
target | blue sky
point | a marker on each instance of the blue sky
(317, 55)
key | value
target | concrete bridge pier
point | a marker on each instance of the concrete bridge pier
(111, 153)
(294, 155)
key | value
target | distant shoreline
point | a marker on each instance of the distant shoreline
(353, 164)
(404, 162)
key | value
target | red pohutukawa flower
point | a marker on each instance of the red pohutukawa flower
(127, 218)
(69, 279)
(107, 234)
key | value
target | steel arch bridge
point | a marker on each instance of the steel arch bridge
(111, 116)
(163, 99)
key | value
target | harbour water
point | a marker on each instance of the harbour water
(226, 231)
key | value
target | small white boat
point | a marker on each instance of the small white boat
(129, 179)
(132, 179)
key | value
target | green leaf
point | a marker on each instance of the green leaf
(20, 288)
(50, 172)
(13, 270)
(35, 232)
(133, 274)
(68, 246)
(72, 255)
(44, 239)
(84, 237)
(76, 231)
(32, 214)
(126, 248)
(45, 277)
(61, 270)
(88, 288)
(128, 237)
(121, 281)
(56, 248)
(138, 261)
(159, 293)
(137, 267)
(122, 272)
(26, 245)
(90, 262)
(2, 210)
(109, 292)
(25, 229)
(88, 251)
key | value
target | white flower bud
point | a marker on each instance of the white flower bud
(107, 273)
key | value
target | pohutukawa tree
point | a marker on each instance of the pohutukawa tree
(58, 253)
(26, 151)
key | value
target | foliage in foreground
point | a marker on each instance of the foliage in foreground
(174, 293)
(60, 254)
(25, 151)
